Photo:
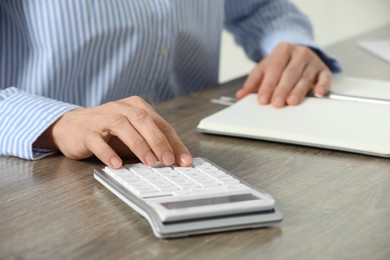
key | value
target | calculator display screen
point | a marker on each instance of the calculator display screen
(209, 201)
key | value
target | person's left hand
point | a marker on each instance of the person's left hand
(286, 76)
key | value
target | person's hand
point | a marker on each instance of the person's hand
(126, 127)
(286, 76)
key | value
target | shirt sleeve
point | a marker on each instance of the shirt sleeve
(259, 25)
(23, 118)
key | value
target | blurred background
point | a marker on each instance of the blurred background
(333, 21)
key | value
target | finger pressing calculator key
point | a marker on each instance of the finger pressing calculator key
(170, 196)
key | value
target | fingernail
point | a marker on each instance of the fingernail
(239, 93)
(279, 102)
(115, 162)
(264, 99)
(320, 90)
(186, 159)
(293, 100)
(150, 159)
(167, 158)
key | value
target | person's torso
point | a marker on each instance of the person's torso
(91, 52)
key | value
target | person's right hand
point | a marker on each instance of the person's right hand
(126, 127)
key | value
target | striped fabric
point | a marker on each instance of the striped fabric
(57, 55)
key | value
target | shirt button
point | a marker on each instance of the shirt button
(163, 51)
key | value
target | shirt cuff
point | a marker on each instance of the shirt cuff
(24, 117)
(275, 38)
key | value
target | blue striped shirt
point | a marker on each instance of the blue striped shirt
(57, 55)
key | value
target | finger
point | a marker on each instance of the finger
(182, 155)
(274, 66)
(300, 90)
(252, 83)
(98, 146)
(137, 142)
(288, 81)
(269, 83)
(145, 125)
(303, 86)
(323, 83)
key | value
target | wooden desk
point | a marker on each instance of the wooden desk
(336, 205)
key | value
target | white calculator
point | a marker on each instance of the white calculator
(182, 201)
